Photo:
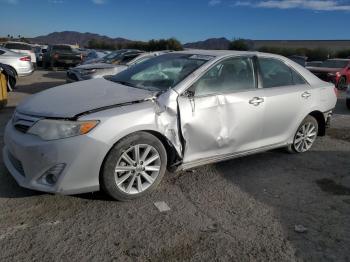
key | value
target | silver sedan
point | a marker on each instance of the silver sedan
(20, 63)
(176, 111)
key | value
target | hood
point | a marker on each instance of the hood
(324, 69)
(69, 100)
(94, 66)
(92, 61)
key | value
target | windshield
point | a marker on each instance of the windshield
(62, 47)
(121, 58)
(160, 73)
(112, 56)
(335, 63)
(18, 46)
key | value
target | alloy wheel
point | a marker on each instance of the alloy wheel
(137, 168)
(305, 137)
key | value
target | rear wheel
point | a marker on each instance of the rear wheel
(134, 166)
(53, 66)
(348, 103)
(305, 136)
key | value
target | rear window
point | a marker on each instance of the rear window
(18, 46)
(335, 63)
(62, 48)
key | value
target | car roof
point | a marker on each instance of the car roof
(15, 42)
(339, 59)
(224, 53)
(9, 51)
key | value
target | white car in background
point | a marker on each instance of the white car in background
(20, 64)
(23, 48)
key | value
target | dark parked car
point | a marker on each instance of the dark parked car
(61, 55)
(314, 64)
(301, 60)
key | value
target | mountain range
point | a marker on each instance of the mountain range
(82, 39)
(71, 37)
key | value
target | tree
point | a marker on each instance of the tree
(239, 44)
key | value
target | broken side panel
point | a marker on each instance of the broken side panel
(166, 119)
(220, 124)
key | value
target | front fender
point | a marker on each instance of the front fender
(118, 122)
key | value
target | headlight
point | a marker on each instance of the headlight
(88, 72)
(49, 129)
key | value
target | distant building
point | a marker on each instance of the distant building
(332, 45)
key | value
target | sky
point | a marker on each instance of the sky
(186, 20)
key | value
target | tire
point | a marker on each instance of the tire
(342, 84)
(45, 65)
(133, 181)
(12, 82)
(348, 103)
(305, 136)
(53, 66)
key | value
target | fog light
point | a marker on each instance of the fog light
(50, 177)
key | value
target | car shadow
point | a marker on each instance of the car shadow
(56, 74)
(310, 189)
(340, 107)
(9, 187)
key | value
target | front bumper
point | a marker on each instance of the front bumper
(74, 76)
(28, 157)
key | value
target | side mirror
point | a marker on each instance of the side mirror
(189, 93)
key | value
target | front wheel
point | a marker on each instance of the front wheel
(305, 136)
(348, 103)
(134, 166)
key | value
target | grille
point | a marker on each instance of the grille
(16, 164)
(22, 122)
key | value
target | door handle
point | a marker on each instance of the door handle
(306, 95)
(256, 101)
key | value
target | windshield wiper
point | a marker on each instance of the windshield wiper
(122, 82)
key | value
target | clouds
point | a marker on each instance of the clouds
(316, 5)
(99, 2)
(56, 1)
(214, 2)
(11, 2)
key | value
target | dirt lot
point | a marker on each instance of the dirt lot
(240, 210)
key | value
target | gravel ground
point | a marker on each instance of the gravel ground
(240, 210)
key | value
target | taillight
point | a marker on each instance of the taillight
(25, 58)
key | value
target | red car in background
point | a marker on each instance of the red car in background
(335, 70)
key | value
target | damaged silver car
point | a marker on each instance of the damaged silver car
(175, 111)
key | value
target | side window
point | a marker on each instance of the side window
(297, 78)
(231, 75)
(275, 73)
